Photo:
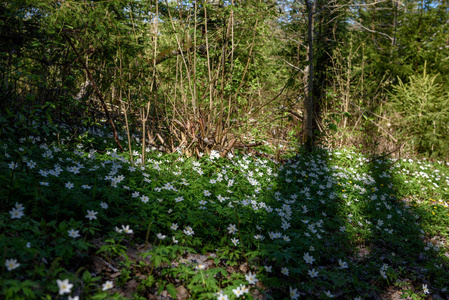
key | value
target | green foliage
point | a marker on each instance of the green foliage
(202, 222)
(323, 224)
(420, 110)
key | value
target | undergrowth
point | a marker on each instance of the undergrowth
(80, 221)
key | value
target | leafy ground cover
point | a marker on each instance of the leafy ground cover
(81, 221)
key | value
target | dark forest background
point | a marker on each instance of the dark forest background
(215, 75)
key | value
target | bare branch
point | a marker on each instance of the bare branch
(362, 5)
(373, 31)
(293, 66)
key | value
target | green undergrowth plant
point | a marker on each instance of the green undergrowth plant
(421, 114)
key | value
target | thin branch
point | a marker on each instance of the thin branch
(97, 91)
(293, 66)
(373, 31)
(361, 5)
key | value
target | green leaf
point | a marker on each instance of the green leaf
(161, 286)
(333, 127)
(172, 290)
(87, 277)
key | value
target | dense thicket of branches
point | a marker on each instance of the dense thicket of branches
(213, 75)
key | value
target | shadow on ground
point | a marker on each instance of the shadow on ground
(365, 240)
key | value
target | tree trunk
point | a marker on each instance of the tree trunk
(308, 137)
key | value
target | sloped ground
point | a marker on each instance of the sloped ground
(332, 224)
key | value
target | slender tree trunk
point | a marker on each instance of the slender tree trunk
(308, 137)
(348, 84)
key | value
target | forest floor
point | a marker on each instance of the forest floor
(79, 220)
